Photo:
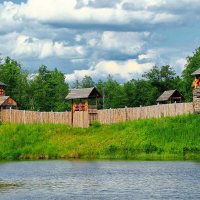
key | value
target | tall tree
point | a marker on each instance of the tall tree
(87, 82)
(193, 63)
(16, 81)
(162, 78)
(140, 92)
(76, 84)
(49, 90)
(114, 94)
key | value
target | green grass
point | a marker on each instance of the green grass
(171, 138)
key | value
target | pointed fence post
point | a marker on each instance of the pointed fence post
(126, 113)
(72, 114)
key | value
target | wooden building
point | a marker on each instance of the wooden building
(170, 96)
(196, 91)
(84, 95)
(6, 102)
(84, 100)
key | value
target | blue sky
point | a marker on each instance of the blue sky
(123, 38)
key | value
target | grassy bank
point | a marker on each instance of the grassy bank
(153, 139)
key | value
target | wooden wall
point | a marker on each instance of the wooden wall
(111, 116)
(107, 116)
(28, 117)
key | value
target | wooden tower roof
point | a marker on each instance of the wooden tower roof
(197, 72)
(85, 93)
(2, 84)
(169, 94)
(4, 99)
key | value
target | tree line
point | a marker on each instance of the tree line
(48, 89)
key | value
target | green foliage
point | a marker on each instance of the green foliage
(193, 63)
(46, 92)
(16, 81)
(87, 82)
(160, 139)
(150, 148)
(49, 90)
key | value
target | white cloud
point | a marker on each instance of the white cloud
(9, 19)
(25, 46)
(65, 12)
(116, 32)
(149, 56)
(124, 42)
(181, 62)
(120, 70)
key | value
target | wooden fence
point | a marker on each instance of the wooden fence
(109, 116)
(28, 117)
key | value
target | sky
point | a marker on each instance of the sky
(123, 38)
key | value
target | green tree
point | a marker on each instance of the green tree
(16, 81)
(162, 78)
(140, 92)
(76, 84)
(193, 63)
(49, 90)
(87, 82)
(114, 94)
(100, 85)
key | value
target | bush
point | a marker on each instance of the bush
(150, 148)
(112, 149)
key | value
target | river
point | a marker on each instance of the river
(99, 180)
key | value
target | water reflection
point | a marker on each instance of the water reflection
(100, 180)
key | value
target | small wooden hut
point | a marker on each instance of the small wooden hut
(6, 102)
(170, 96)
(83, 96)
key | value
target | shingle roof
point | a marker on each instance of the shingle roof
(3, 99)
(197, 72)
(84, 93)
(166, 95)
(2, 84)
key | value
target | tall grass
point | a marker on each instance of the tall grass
(160, 139)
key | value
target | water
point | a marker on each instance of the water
(99, 180)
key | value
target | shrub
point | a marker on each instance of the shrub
(150, 148)
(112, 149)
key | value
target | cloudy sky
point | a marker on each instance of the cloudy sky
(123, 38)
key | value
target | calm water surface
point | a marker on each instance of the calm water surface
(100, 180)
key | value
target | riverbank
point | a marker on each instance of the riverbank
(171, 138)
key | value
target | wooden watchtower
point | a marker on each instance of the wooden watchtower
(6, 102)
(196, 91)
(84, 99)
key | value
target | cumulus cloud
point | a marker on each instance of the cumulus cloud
(92, 37)
(124, 42)
(103, 14)
(120, 70)
(25, 46)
